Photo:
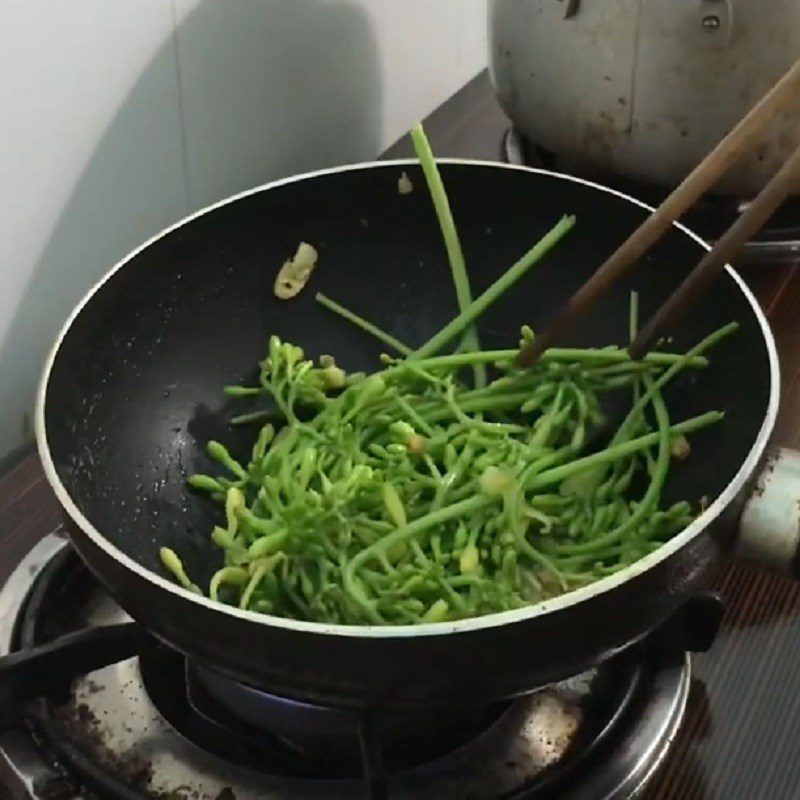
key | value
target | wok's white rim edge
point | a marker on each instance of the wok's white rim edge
(435, 629)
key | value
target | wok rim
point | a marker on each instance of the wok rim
(498, 619)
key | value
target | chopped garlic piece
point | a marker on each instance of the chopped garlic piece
(470, 560)
(680, 448)
(294, 274)
(404, 184)
(416, 444)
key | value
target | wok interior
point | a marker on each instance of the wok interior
(135, 390)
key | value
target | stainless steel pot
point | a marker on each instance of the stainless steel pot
(644, 88)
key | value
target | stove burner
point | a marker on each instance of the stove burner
(159, 725)
(779, 242)
(279, 736)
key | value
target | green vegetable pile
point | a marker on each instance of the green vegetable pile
(444, 486)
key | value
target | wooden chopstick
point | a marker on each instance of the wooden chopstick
(703, 178)
(746, 226)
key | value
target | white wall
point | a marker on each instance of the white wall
(120, 117)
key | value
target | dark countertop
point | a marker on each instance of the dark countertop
(739, 740)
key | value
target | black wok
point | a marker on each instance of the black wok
(131, 394)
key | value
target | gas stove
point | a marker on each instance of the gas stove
(160, 725)
(778, 243)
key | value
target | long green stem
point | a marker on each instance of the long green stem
(452, 243)
(707, 343)
(585, 357)
(559, 474)
(496, 290)
(365, 325)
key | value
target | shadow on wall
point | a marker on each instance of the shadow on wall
(261, 89)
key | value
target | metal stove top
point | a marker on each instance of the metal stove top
(125, 731)
(778, 243)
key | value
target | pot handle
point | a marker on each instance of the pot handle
(769, 528)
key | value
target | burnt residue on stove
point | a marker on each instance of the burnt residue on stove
(184, 793)
(82, 724)
(80, 742)
(187, 793)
